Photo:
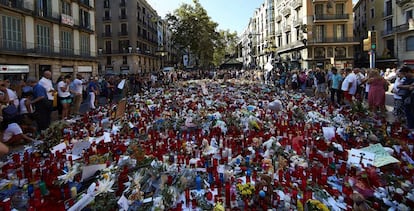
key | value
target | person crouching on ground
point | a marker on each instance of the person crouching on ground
(13, 135)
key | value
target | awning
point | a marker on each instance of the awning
(14, 68)
(409, 61)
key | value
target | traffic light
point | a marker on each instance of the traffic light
(373, 39)
(371, 42)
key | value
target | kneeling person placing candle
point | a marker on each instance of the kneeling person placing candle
(14, 135)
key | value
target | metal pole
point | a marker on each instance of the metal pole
(372, 59)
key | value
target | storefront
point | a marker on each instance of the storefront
(85, 71)
(14, 72)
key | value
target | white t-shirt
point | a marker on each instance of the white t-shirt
(11, 130)
(62, 93)
(350, 78)
(47, 84)
(23, 109)
(13, 97)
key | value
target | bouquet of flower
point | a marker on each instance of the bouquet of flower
(246, 191)
(316, 205)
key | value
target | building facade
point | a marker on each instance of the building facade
(127, 37)
(395, 35)
(302, 34)
(39, 35)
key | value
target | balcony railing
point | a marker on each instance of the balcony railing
(387, 13)
(286, 28)
(387, 32)
(106, 18)
(296, 4)
(28, 48)
(402, 2)
(123, 33)
(278, 32)
(278, 18)
(324, 17)
(286, 12)
(123, 17)
(85, 3)
(48, 15)
(19, 5)
(332, 40)
(402, 28)
(107, 34)
(297, 22)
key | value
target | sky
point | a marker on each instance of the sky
(229, 14)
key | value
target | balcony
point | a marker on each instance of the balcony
(32, 49)
(18, 5)
(387, 32)
(401, 3)
(122, 34)
(106, 18)
(296, 4)
(287, 28)
(278, 33)
(297, 23)
(326, 17)
(47, 14)
(333, 40)
(286, 12)
(278, 18)
(107, 34)
(123, 17)
(85, 3)
(387, 14)
(402, 28)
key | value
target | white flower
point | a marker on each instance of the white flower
(69, 175)
(105, 186)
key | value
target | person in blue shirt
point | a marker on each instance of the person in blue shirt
(41, 104)
(93, 92)
(336, 80)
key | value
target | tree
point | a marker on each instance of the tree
(194, 31)
(225, 47)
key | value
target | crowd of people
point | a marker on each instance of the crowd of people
(27, 111)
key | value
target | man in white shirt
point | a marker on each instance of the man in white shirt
(349, 85)
(77, 88)
(46, 82)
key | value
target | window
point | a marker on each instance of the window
(66, 8)
(124, 60)
(84, 19)
(43, 38)
(123, 13)
(108, 60)
(298, 33)
(408, 15)
(409, 43)
(340, 9)
(124, 29)
(319, 33)
(388, 26)
(66, 43)
(44, 8)
(339, 32)
(318, 9)
(12, 32)
(106, 4)
(287, 37)
(108, 29)
(107, 14)
(84, 45)
(279, 41)
(372, 13)
(388, 8)
(123, 45)
(108, 46)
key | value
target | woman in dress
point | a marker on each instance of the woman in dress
(376, 93)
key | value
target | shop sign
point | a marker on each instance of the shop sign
(84, 69)
(66, 69)
(14, 68)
